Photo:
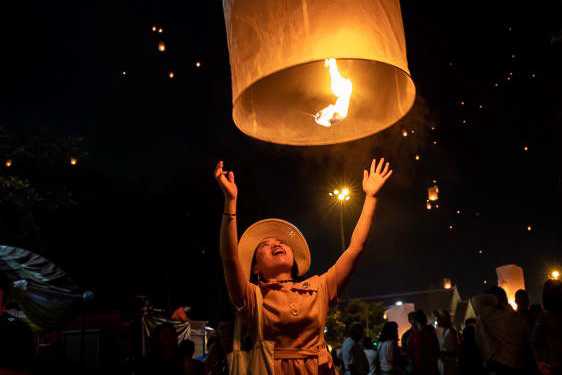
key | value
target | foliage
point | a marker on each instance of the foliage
(342, 316)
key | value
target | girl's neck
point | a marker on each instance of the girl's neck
(283, 276)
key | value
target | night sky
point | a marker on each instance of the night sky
(147, 214)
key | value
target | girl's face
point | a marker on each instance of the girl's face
(273, 257)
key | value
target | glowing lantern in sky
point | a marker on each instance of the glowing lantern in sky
(161, 46)
(433, 193)
(8, 163)
(554, 275)
(317, 72)
(399, 314)
(447, 284)
(73, 161)
(511, 279)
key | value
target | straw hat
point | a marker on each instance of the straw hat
(277, 228)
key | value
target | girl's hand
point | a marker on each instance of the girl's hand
(374, 180)
(226, 182)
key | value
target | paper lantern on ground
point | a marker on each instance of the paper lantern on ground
(281, 72)
(511, 279)
(399, 314)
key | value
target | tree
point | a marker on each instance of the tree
(342, 316)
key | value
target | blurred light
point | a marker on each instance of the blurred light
(417, 157)
(404, 133)
(197, 64)
(450, 227)
(331, 194)
(485, 281)
(161, 46)
(555, 275)
(8, 163)
(399, 303)
(345, 191)
(480, 106)
(513, 304)
(171, 75)
(437, 205)
(428, 205)
(154, 28)
(529, 228)
(461, 103)
(513, 56)
(496, 84)
(336, 192)
(124, 73)
(533, 75)
(447, 284)
(160, 30)
(458, 212)
(347, 198)
(434, 142)
(526, 148)
(480, 252)
(464, 121)
(413, 131)
(433, 128)
(73, 161)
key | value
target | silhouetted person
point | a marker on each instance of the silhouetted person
(189, 366)
(502, 334)
(448, 345)
(470, 358)
(404, 341)
(388, 354)
(547, 334)
(371, 354)
(423, 346)
(353, 356)
(522, 301)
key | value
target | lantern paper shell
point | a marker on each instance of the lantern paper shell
(433, 193)
(399, 314)
(511, 279)
(279, 79)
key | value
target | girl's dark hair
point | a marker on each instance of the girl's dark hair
(389, 332)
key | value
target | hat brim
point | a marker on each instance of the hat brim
(276, 228)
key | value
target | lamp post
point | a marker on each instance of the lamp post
(341, 196)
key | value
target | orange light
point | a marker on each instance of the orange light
(154, 28)
(529, 228)
(171, 75)
(73, 161)
(526, 148)
(447, 284)
(161, 46)
(341, 87)
(555, 275)
(404, 133)
(417, 157)
(8, 163)
(433, 193)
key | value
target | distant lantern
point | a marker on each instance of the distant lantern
(404, 133)
(447, 283)
(171, 75)
(160, 30)
(161, 46)
(511, 279)
(317, 72)
(525, 148)
(8, 163)
(433, 193)
(399, 314)
(197, 64)
(154, 28)
(417, 157)
(554, 275)
(73, 161)
(529, 228)
(428, 205)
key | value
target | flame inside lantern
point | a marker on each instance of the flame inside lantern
(341, 88)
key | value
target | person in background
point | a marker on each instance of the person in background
(189, 365)
(388, 354)
(502, 334)
(404, 341)
(522, 302)
(423, 346)
(371, 354)
(448, 345)
(546, 338)
(470, 359)
(354, 360)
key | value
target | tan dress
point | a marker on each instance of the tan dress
(294, 317)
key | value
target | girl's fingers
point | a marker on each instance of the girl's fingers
(385, 169)
(373, 165)
(365, 174)
(379, 166)
(388, 175)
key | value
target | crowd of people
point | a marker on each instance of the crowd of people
(499, 340)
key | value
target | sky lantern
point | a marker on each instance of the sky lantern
(161, 46)
(447, 283)
(399, 314)
(73, 161)
(511, 279)
(8, 163)
(433, 193)
(317, 72)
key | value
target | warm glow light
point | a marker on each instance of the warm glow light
(341, 88)
(161, 46)
(404, 133)
(529, 228)
(428, 205)
(447, 284)
(8, 163)
(171, 75)
(526, 148)
(336, 192)
(341, 195)
(417, 157)
(433, 193)
(160, 30)
(555, 275)
(153, 28)
(513, 304)
(73, 161)
(198, 64)
(399, 303)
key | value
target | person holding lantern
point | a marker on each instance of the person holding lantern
(285, 317)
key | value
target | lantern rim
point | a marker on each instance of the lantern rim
(268, 139)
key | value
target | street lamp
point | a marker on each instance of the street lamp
(341, 195)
